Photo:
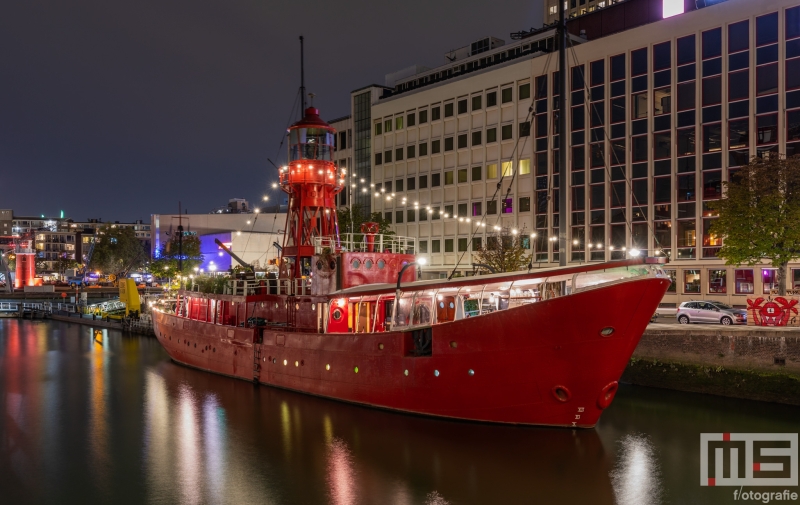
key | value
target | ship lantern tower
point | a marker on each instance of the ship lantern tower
(312, 182)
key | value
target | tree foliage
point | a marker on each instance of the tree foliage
(503, 253)
(759, 215)
(166, 263)
(351, 218)
(117, 251)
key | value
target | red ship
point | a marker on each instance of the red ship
(346, 319)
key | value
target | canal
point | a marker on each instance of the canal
(112, 420)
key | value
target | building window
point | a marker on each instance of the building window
(398, 123)
(378, 128)
(525, 166)
(398, 217)
(448, 144)
(435, 113)
(691, 281)
(436, 146)
(411, 183)
(476, 173)
(476, 138)
(477, 209)
(411, 119)
(462, 210)
(436, 246)
(387, 156)
(448, 211)
(423, 214)
(506, 132)
(477, 102)
(387, 125)
(448, 178)
(448, 109)
(525, 129)
(491, 99)
(462, 175)
(423, 244)
(410, 215)
(436, 180)
(491, 135)
(525, 91)
(399, 186)
(717, 281)
(411, 151)
(491, 207)
(769, 280)
(462, 141)
(378, 158)
(448, 245)
(423, 116)
(462, 106)
(744, 281)
(423, 149)
(506, 95)
(506, 169)
(508, 206)
(423, 182)
(525, 204)
(491, 171)
(398, 154)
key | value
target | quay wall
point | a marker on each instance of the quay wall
(740, 362)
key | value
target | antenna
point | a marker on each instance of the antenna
(302, 81)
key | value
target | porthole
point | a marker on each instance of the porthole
(313, 307)
(380, 346)
(337, 314)
(355, 369)
(436, 373)
(327, 367)
(296, 363)
(381, 264)
(285, 362)
(274, 360)
(561, 393)
(441, 305)
(319, 264)
(405, 372)
(452, 305)
(262, 305)
(355, 264)
(471, 372)
(276, 305)
(296, 306)
(368, 264)
(607, 332)
(332, 265)
(453, 344)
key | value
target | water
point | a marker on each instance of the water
(113, 420)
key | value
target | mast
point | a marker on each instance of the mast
(302, 81)
(563, 136)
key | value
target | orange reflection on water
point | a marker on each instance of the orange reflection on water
(98, 420)
(188, 464)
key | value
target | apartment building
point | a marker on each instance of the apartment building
(660, 115)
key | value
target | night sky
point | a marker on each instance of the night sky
(118, 110)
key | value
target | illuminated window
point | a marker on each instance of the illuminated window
(673, 8)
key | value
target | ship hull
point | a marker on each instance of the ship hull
(545, 363)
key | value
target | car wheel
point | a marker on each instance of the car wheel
(683, 320)
(727, 321)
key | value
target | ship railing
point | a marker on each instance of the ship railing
(9, 307)
(288, 287)
(359, 242)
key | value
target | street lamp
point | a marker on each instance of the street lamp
(418, 261)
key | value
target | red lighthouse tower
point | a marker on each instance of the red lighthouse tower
(312, 182)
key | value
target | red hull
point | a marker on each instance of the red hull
(543, 363)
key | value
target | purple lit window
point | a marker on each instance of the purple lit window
(508, 205)
(769, 278)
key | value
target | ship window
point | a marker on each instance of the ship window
(356, 264)
(311, 144)
(368, 264)
(337, 314)
(381, 264)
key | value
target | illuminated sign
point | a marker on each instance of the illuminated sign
(673, 8)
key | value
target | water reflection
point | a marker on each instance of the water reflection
(637, 477)
(112, 420)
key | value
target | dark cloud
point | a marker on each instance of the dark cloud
(120, 109)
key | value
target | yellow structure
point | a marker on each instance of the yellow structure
(129, 295)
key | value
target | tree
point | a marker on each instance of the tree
(503, 253)
(117, 251)
(759, 215)
(64, 262)
(165, 264)
(351, 218)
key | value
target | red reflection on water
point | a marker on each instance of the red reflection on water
(341, 475)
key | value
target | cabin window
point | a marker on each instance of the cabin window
(337, 314)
